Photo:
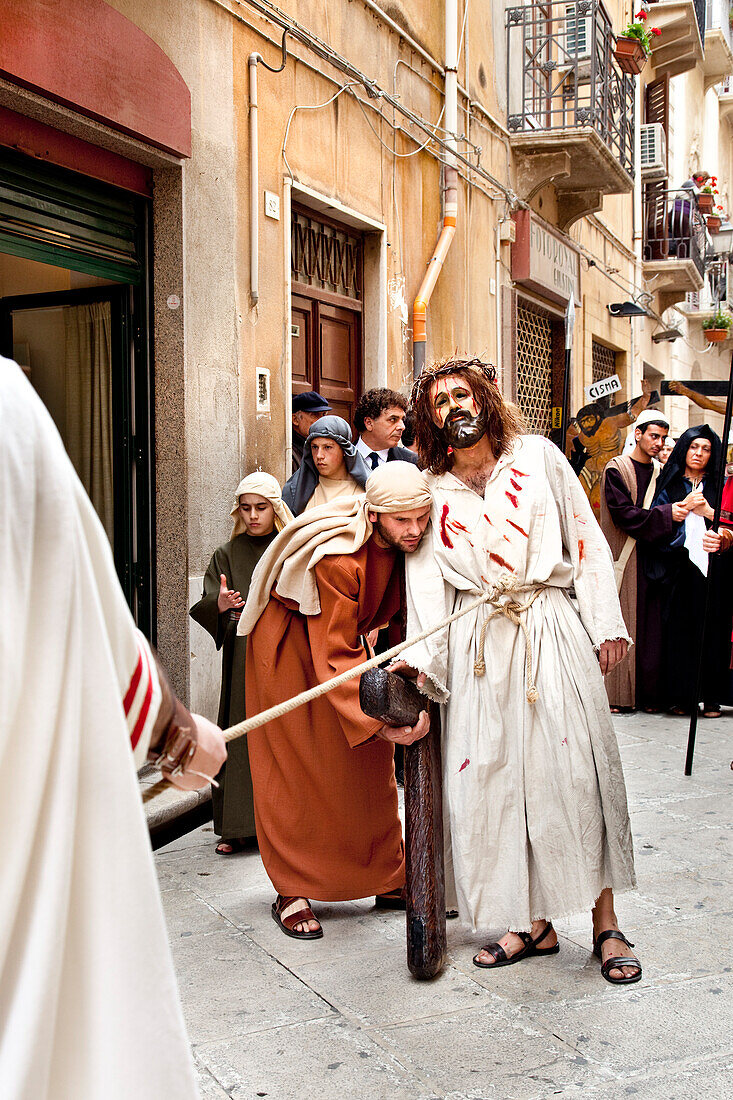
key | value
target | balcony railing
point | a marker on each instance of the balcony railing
(673, 227)
(561, 74)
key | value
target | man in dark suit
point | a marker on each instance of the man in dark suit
(380, 421)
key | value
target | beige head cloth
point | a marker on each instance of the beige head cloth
(263, 485)
(342, 527)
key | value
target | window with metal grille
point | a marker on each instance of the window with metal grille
(325, 256)
(534, 368)
(604, 362)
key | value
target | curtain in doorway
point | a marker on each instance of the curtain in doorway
(88, 332)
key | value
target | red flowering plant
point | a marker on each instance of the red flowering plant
(640, 31)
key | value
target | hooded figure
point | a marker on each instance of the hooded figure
(679, 567)
(308, 488)
(230, 571)
(324, 784)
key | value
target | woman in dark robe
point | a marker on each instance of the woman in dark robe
(258, 514)
(680, 567)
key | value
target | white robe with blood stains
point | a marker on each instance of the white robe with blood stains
(534, 796)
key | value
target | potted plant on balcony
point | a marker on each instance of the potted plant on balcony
(635, 44)
(717, 327)
(714, 220)
(706, 198)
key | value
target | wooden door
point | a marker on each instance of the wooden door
(326, 339)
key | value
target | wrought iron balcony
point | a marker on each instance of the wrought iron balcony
(570, 108)
(675, 244)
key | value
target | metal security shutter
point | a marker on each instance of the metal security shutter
(534, 368)
(61, 218)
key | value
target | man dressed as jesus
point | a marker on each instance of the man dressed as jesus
(534, 791)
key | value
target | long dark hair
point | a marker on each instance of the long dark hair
(503, 422)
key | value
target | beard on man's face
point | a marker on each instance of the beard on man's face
(400, 542)
(463, 430)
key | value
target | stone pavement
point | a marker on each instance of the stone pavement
(341, 1017)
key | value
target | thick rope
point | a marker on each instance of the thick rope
(513, 611)
(505, 585)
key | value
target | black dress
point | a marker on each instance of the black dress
(232, 800)
(683, 591)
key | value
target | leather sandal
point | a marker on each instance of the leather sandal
(236, 845)
(616, 961)
(529, 950)
(286, 916)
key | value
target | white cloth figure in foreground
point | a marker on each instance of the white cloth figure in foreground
(89, 1008)
(534, 796)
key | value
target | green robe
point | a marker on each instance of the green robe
(232, 800)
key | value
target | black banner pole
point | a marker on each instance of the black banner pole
(712, 567)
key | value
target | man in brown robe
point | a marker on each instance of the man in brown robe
(627, 489)
(324, 787)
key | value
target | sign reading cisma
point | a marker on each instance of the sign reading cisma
(604, 387)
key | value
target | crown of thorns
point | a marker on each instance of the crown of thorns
(441, 370)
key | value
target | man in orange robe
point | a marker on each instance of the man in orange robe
(325, 795)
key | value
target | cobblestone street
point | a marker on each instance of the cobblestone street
(271, 1017)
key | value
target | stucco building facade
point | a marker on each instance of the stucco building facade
(277, 176)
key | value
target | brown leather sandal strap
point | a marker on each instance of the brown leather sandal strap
(496, 951)
(616, 963)
(300, 916)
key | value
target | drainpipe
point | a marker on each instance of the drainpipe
(253, 61)
(254, 183)
(450, 192)
(497, 302)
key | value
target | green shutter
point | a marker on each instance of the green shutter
(61, 218)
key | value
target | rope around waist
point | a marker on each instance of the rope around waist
(515, 612)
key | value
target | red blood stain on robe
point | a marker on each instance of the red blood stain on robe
(443, 528)
(501, 561)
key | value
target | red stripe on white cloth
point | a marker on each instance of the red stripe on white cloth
(132, 690)
(145, 707)
(141, 701)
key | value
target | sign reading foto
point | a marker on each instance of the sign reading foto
(545, 261)
(604, 387)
